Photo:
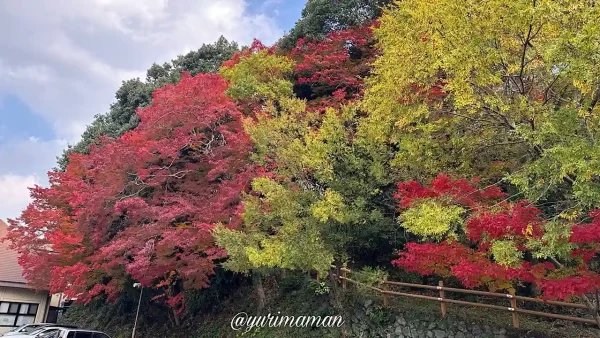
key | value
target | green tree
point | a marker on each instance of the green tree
(320, 17)
(325, 202)
(321, 205)
(207, 59)
(323, 188)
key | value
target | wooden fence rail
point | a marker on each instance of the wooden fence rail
(385, 292)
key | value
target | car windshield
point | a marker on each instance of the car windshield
(41, 330)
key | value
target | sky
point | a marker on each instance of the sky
(62, 61)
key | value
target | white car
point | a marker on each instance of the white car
(29, 328)
(62, 332)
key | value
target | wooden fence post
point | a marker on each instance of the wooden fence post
(513, 306)
(385, 289)
(442, 294)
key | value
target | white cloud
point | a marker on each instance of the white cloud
(39, 74)
(270, 3)
(14, 195)
(29, 156)
(24, 163)
(65, 60)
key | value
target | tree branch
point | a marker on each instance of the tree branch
(523, 64)
(595, 99)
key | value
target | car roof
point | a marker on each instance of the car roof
(55, 326)
(49, 327)
(35, 324)
(70, 329)
(45, 328)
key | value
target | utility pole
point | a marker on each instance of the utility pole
(137, 285)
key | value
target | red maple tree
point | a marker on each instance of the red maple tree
(143, 205)
(331, 71)
(491, 217)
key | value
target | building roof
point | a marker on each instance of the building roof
(10, 270)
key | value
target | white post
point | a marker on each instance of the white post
(135, 285)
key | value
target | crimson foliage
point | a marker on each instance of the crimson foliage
(491, 217)
(142, 205)
(331, 71)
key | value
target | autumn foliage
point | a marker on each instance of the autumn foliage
(142, 205)
(475, 140)
(495, 237)
(332, 70)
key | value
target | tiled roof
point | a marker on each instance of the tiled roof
(10, 270)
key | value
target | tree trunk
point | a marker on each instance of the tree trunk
(176, 317)
(593, 309)
(169, 317)
(260, 290)
(174, 290)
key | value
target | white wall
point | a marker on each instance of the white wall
(19, 295)
(59, 299)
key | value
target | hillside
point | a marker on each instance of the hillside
(424, 141)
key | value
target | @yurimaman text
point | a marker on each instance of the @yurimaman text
(245, 321)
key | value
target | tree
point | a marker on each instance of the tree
(134, 93)
(331, 71)
(516, 92)
(257, 75)
(321, 17)
(320, 199)
(207, 59)
(323, 202)
(507, 92)
(316, 179)
(478, 236)
(142, 205)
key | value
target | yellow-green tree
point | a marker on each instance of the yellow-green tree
(322, 192)
(320, 204)
(258, 74)
(490, 88)
(323, 195)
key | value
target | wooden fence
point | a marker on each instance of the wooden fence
(444, 300)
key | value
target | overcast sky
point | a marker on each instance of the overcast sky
(62, 61)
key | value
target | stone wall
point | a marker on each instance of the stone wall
(363, 323)
(444, 328)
